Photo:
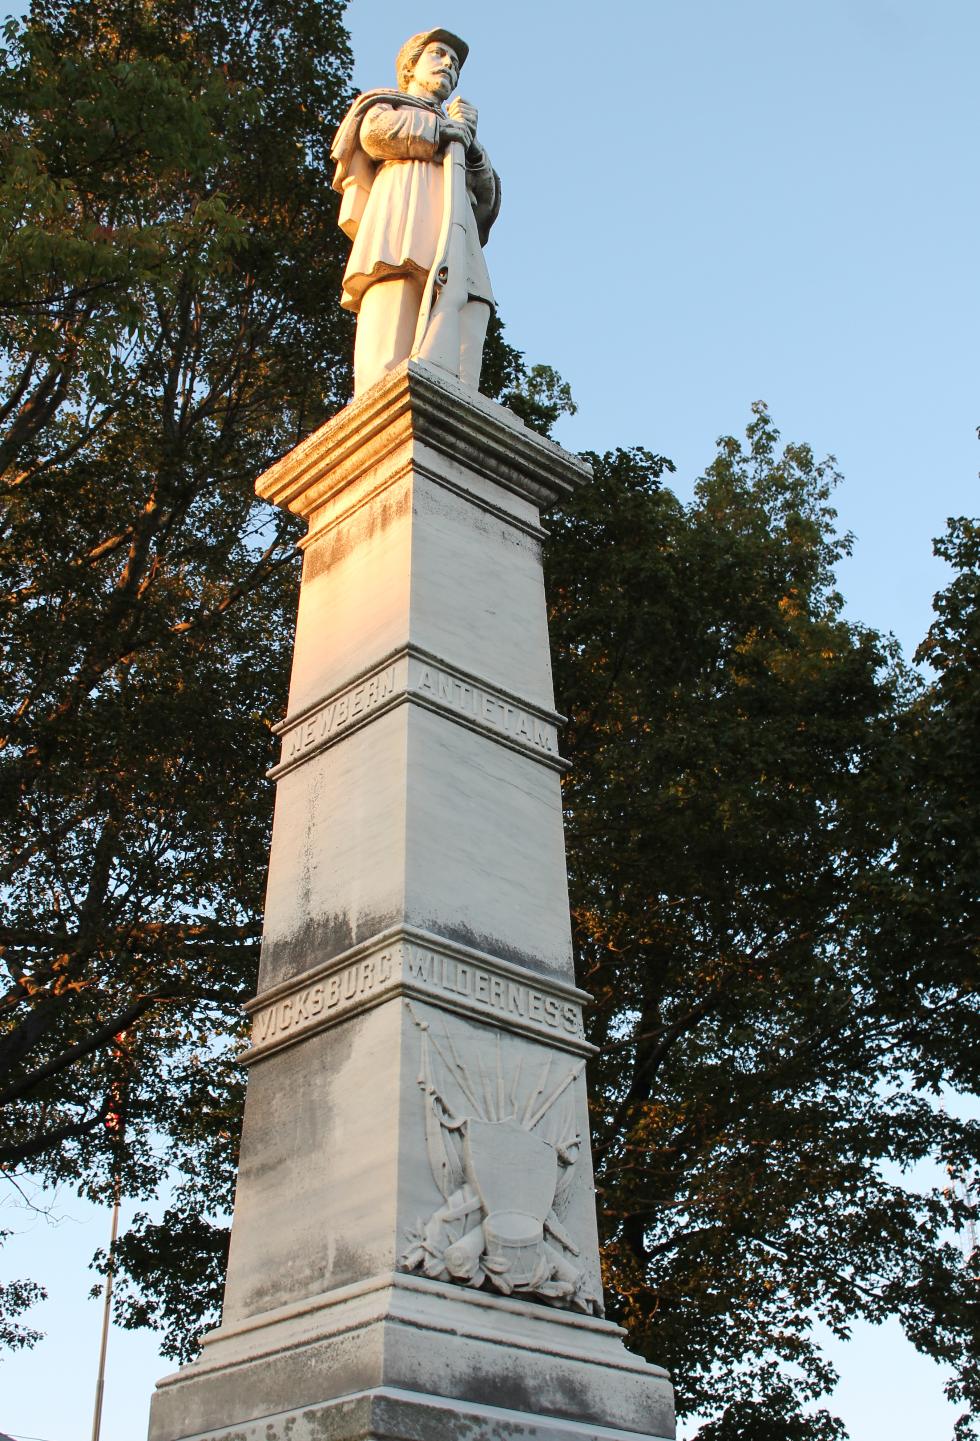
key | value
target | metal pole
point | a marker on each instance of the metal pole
(106, 1311)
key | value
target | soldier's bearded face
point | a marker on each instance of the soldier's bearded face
(436, 71)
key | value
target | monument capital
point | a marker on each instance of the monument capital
(420, 409)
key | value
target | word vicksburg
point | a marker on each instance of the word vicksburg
(421, 971)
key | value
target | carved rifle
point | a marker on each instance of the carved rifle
(446, 290)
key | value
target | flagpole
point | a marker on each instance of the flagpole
(115, 1124)
(106, 1311)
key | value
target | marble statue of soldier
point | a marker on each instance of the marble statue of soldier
(390, 153)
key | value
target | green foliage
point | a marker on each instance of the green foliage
(923, 927)
(932, 908)
(772, 1415)
(537, 394)
(730, 826)
(180, 1263)
(16, 1297)
(169, 266)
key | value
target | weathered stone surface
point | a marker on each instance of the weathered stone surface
(422, 603)
(388, 1414)
(414, 1249)
(486, 1358)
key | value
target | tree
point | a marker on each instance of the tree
(930, 901)
(16, 1297)
(741, 761)
(925, 935)
(168, 277)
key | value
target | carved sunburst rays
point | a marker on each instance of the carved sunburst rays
(467, 1072)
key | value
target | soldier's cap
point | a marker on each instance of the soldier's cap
(408, 55)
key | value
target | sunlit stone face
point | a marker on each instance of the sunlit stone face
(436, 71)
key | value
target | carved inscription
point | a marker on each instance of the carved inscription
(484, 707)
(436, 685)
(340, 713)
(506, 997)
(336, 993)
(408, 966)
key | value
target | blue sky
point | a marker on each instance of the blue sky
(706, 203)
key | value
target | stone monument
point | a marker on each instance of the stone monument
(414, 1253)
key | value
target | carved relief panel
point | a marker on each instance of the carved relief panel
(503, 1139)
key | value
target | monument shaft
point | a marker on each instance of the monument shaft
(414, 1249)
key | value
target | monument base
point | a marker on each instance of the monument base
(388, 1414)
(404, 1357)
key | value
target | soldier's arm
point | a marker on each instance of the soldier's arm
(396, 132)
(483, 184)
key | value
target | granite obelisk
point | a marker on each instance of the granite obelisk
(414, 1249)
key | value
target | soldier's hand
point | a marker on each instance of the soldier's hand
(455, 130)
(462, 110)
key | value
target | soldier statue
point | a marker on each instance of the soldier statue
(419, 196)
